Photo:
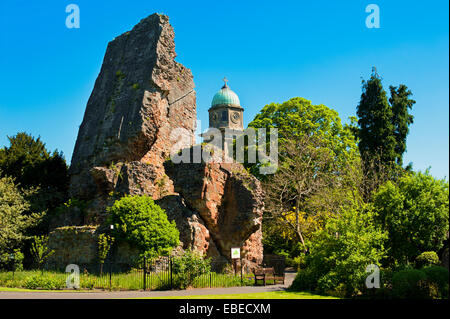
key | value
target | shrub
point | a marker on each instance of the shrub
(408, 283)
(12, 261)
(44, 282)
(429, 282)
(142, 223)
(439, 276)
(87, 282)
(14, 219)
(188, 267)
(386, 275)
(339, 255)
(427, 258)
(305, 280)
(414, 212)
(331, 284)
(299, 262)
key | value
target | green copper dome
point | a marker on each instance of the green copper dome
(225, 96)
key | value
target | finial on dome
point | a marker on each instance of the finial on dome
(225, 85)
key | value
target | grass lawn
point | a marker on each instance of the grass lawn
(131, 280)
(258, 295)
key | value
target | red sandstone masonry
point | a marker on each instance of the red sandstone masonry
(140, 96)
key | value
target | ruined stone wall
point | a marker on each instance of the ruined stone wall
(73, 245)
(79, 245)
(140, 96)
(230, 202)
(123, 146)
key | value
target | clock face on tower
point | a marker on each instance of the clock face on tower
(226, 111)
(235, 117)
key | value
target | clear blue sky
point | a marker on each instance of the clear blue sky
(269, 50)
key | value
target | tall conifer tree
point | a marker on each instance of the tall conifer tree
(383, 126)
(401, 103)
(376, 128)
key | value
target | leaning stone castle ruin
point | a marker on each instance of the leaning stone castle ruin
(123, 147)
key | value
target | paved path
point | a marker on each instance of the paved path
(145, 294)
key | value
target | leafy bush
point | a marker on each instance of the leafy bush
(87, 282)
(299, 262)
(12, 261)
(14, 222)
(415, 214)
(339, 255)
(41, 174)
(427, 258)
(438, 275)
(305, 280)
(188, 267)
(426, 283)
(44, 282)
(142, 223)
(409, 283)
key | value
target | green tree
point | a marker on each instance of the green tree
(382, 130)
(40, 250)
(12, 260)
(308, 186)
(31, 164)
(376, 128)
(341, 252)
(13, 220)
(34, 167)
(105, 243)
(22, 158)
(318, 161)
(401, 103)
(298, 118)
(414, 211)
(142, 223)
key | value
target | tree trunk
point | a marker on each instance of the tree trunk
(297, 225)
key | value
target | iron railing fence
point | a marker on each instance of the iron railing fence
(151, 274)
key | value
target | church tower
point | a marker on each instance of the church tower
(226, 110)
(226, 114)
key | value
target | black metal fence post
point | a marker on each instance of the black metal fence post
(242, 280)
(145, 273)
(110, 275)
(170, 272)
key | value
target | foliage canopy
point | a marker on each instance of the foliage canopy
(414, 211)
(341, 252)
(318, 169)
(13, 220)
(141, 222)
